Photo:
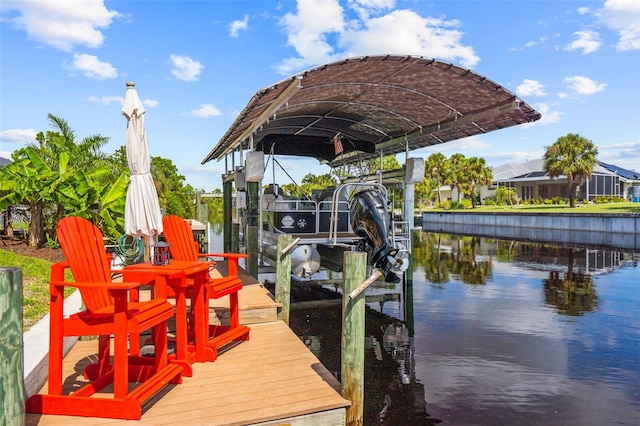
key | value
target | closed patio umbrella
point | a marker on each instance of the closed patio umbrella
(142, 216)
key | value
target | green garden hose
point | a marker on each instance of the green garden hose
(130, 249)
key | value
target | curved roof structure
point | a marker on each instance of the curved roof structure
(389, 103)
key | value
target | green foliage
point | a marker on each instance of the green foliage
(57, 176)
(424, 191)
(390, 162)
(174, 196)
(436, 169)
(572, 156)
(444, 205)
(456, 176)
(505, 195)
(35, 280)
(309, 183)
(465, 203)
(476, 173)
(604, 199)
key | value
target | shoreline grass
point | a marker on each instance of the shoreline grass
(35, 285)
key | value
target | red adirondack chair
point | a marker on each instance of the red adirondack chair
(183, 246)
(108, 313)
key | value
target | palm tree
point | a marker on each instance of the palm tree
(434, 169)
(478, 174)
(84, 154)
(574, 157)
(457, 174)
(60, 151)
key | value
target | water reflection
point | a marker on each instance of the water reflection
(497, 332)
(571, 294)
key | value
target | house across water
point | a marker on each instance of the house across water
(531, 181)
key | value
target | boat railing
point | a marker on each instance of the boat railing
(305, 216)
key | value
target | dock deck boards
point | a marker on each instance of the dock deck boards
(273, 377)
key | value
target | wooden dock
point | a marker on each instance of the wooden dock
(272, 379)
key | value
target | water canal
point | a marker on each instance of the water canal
(495, 332)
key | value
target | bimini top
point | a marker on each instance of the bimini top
(371, 103)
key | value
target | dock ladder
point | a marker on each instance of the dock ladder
(401, 233)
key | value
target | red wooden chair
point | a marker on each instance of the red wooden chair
(183, 246)
(108, 313)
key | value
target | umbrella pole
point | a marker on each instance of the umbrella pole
(147, 249)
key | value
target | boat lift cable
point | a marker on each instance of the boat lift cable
(292, 180)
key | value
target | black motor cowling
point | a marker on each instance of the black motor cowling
(368, 216)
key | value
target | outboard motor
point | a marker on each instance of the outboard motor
(368, 216)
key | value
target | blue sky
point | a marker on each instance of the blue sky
(196, 64)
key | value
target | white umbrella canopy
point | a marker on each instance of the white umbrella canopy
(142, 215)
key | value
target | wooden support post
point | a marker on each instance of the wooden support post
(11, 348)
(227, 217)
(283, 277)
(202, 216)
(235, 238)
(202, 209)
(353, 311)
(253, 228)
(408, 297)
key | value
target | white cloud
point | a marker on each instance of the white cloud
(307, 32)
(62, 24)
(106, 100)
(541, 40)
(583, 85)
(236, 26)
(185, 68)
(548, 115)
(471, 143)
(406, 32)
(621, 154)
(530, 88)
(588, 41)
(18, 136)
(624, 149)
(149, 102)
(502, 157)
(364, 8)
(319, 25)
(90, 66)
(206, 110)
(622, 16)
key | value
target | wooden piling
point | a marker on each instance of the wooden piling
(283, 278)
(235, 237)
(408, 297)
(11, 348)
(353, 327)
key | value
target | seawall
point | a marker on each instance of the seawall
(620, 231)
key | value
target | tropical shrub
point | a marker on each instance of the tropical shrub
(604, 199)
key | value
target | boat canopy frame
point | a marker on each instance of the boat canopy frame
(383, 103)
